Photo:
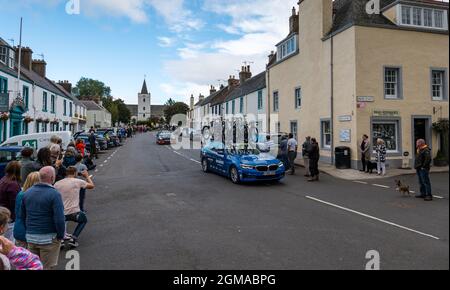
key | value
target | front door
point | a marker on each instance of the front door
(16, 128)
(421, 130)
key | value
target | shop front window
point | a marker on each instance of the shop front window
(387, 131)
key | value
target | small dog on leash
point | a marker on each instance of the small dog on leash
(402, 188)
(371, 166)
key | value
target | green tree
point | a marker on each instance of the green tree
(124, 114)
(90, 89)
(175, 109)
(170, 102)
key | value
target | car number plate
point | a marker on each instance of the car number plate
(269, 173)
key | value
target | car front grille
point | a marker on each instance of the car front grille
(265, 168)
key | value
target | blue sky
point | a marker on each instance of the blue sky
(182, 46)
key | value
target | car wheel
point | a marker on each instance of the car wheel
(234, 175)
(205, 165)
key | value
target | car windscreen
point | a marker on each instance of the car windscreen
(242, 149)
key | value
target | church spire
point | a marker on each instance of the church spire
(144, 90)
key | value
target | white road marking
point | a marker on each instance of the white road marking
(101, 165)
(380, 185)
(96, 170)
(360, 182)
(372, 217)
(438, 197)
(196, 161)
(106, 161)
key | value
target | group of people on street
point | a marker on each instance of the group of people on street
(288, 149)
(37, 200)
(366, 155)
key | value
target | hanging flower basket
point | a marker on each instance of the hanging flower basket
(66, 122)
(39, 119)
(28, 119)
(55, 121)
(4, 116)
(47, 121)
(76, 115)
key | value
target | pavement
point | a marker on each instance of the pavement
(352, 174)
(154, 209)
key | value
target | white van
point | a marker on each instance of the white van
(38, 140)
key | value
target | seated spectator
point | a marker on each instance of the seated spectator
(70, 188)
(16, 257)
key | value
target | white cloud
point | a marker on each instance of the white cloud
(182, 91)
(166, 41)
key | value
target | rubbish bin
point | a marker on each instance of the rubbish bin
(343, 158)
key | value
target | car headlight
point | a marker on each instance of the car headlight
(245, 166)
(281, 164)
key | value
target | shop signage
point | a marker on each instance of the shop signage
(345, 135)
(366, 99)
(385, 113)
(345, 118)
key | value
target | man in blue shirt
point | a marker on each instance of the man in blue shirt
(43, 213)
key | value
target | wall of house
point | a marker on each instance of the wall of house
(415, 53)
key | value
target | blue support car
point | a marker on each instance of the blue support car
(241, 163)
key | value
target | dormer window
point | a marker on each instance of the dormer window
(7, 56)
(287, 47)
(422, 17)
(3, 54)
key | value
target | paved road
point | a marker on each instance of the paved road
(153, 208)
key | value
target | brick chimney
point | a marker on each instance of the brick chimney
(232, 82)
(201, 97)
(294, 22)
(39, 67)
(245, 74)
(26, 57)
(66, 85)
(212, 90)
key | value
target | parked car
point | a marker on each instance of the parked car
(101, 142)
(38, 140)
(163, 138)
(8, 154)
(85, 138)
(241, 163)
(110, 134)
(106, 135)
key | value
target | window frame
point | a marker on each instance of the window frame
(444, 72)
(294, 122)
(5, 55)
(26, 96)
(260, 101)
(276, 105)
(399, 88)
(298, 98)
(44, 101)
(398, 132)
(411, 16)
(323, 144)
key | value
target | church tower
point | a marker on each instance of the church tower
(144, 103)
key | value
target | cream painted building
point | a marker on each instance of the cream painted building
(342, 73)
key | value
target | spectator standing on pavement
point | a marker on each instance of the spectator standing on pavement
(81, 147)
(305, 152)
(43, 213)
(423, 165)
(9, 188)
(19, 225)
(292, 146)
(283, 152)
(93, 147)
(314, 156)
(80, 169)
(91, 130)
(69, 155)
(70, 188)
(381, 157)
(365, 153)
(27, 164)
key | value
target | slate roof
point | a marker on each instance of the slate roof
(353, 12)
(157, 110)
(133, 109)
(254, 84)
(144, 90)
(92, 106)
(6, 69)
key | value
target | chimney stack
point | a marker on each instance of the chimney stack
(201, 98)
(294, 22)
(245, 74)
(26, 57)
(39, 67)
(192, 102)
(66, 85)
(232, 82)
(212, 90)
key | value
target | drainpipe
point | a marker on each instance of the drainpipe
(268, 100)
(332, 100)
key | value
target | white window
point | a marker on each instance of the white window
(417, 16)
(439, 18)
(428, 17)
(326, 134)
(387, 131)
(3, 54)
(406, 15)
(298, 98)
(437, 84)
(294, 129)
(392, 83)
(276, 104)
(260, 100)
(423, 17)
(287, 48)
